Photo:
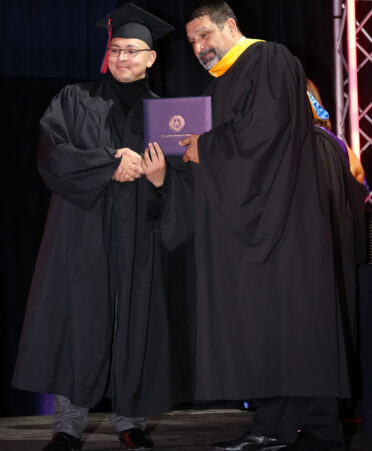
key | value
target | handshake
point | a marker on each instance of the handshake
(133, 166)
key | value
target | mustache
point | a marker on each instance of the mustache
(205, 52)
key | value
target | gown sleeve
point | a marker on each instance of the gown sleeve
(250, 161)
(76, 172)
(177, 224)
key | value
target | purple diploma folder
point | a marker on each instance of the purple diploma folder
(167, 121)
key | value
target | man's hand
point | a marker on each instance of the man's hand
(191, 153)
(154, 165)
(130, 167)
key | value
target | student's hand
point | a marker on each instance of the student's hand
(191, 153)
(154, 165)
(129, 168)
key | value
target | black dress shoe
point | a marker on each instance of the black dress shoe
(135, 439)
(306, 442)
(63, 442)
(250, 442)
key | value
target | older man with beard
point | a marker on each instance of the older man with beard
(268, 322)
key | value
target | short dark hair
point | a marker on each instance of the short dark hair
(218, 10)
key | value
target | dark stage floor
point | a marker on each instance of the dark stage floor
(187, 430)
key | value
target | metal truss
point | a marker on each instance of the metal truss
(363, 25)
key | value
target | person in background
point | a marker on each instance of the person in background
(356, 167)
(346, 194)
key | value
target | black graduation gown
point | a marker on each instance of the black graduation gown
(267, 318)
(346, 204)
(96, 319)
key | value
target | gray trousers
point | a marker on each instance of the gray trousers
(73, 419)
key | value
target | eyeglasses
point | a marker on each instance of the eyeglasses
(129, 53)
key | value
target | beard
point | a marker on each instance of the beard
(209, 58)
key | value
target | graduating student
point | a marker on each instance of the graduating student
(96, 321)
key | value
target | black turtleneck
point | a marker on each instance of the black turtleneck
(126, 96)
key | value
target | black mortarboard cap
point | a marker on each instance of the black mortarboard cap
(131, 21)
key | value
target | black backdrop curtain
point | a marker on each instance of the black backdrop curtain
(59, 40)
(46, 45)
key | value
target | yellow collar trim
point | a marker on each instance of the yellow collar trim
(231, 56)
